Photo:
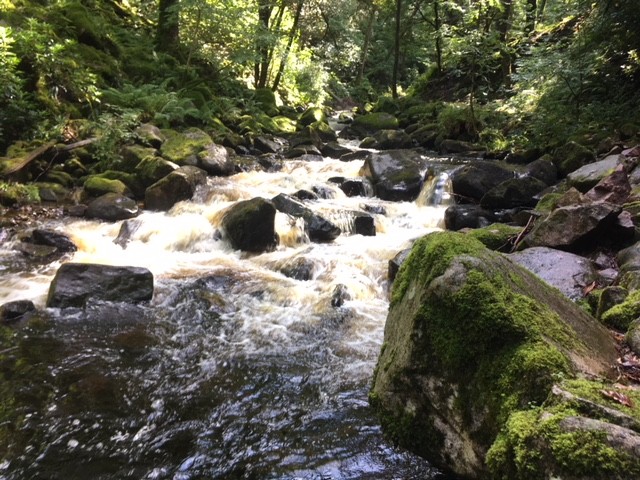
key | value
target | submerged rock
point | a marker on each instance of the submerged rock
(76, 284)
(249, 225)
(471, 340)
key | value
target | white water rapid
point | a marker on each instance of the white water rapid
(235, 370)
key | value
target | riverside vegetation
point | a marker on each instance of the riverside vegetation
(110, 108)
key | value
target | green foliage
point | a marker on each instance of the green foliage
(12, 193)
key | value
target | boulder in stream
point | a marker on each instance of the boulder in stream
(318, 228)
(472, 340)
(179, 185)
(76, 284)
(112, 207)
(474, 180)
(395, 174)
(249, 225)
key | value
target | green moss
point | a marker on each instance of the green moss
(498, 236)
(181, 148)
(430, 257)
(14, 193)
(97, 186)
(548, 202)
(621, 315)
(373, 122)
(312, 115)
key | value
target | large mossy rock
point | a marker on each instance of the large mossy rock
(571, 157)
(75, 284)
(372, 122)
(179, 185)
(183, 147)
(249, 225)
(471, 338)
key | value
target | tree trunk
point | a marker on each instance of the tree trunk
(396, 50)
(437, 25)
(168, 30)
(292, 35)
(530, 16)
(367, 41)
(261, 67)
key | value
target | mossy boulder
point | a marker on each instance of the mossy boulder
(498, 236)
(470, 339)
(587, 430)
(183, 148)
(571, 157)
(249, 225)
(132, 155)
(372, 122)
(149, 135)
(179, 185)
(395, 174)
(152, 169)
(513, 193)
(620, 316)
(267, 101)
(96, 186)
(312, 115)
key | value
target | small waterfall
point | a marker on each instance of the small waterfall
(436, 191)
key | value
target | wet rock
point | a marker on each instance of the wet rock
(112, 207)
(127, 229)
(305, 195)
(60, 241)
(571, 157)
(215, 160)
(567, 272)
(565, 227)
(15, 311)
(628, 261)
(340, 295)
(179, 185)
(609, 298)
(323, 192)
(302, 150)
(249, 225)
(395, 175)
(425, 136)
(523, 157)
(318, 228)
(300, 268)
(364, 224)
(396, 262)
(356, 187)
(307, 136)
(357, 155)
(335, 150)
(40, 253)
(76, 284)
(497, 236)
(543, 169)
(474, 180)
(585, 178)
(471, 339)
(324, 131)
(512, 193)
(457, 217)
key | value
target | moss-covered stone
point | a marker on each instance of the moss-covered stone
(372, 122)
(470, 339)
(621, 315)
(16, 193)
(548, 202)
(581, 432)
(572, 156)
(182, 148)
(497, 236)
(312, 115)
(96, 186)
(267, 100)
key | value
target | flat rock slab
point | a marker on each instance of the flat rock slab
(75, 284)
(567, 272)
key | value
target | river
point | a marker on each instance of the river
(243, 366)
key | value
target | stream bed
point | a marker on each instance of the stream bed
(243, 366)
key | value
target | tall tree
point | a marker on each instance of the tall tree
(292, 34)
(168, 31)
(396, 49)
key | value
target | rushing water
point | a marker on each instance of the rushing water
(235, 370)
